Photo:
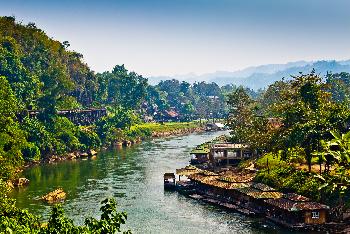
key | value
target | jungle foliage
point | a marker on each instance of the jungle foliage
(299, 128)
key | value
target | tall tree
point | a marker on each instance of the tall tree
(12, 138)
(241, 115)
(308, 115)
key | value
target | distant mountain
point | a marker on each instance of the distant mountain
(261, 76)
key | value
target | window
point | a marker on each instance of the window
(315, 215)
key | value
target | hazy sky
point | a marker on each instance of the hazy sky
(166, 37)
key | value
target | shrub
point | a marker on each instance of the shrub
(66, 132)
(31, 152)
(15, 220)
(38, 134)
(89, 138)
(273, 161)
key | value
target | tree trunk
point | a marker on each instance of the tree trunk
(308, 157)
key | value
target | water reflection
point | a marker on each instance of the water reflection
(134, 177)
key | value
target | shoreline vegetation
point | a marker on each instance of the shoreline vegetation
(297, 138)
(266, 186)
(135, 135)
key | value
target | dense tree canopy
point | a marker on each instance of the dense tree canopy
(12, 138)
(306, 115)
(304, 108)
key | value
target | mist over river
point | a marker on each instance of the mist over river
(134, 176)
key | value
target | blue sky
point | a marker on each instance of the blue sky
(167, 37)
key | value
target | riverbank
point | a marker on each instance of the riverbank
(133, 175)
(134, 135)
(171, 129)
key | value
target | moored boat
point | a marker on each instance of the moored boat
(169, 181)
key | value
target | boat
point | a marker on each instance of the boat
(169, 181)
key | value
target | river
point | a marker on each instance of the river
(134, 176)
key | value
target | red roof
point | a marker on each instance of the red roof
(172, 113)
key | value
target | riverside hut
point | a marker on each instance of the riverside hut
(202, 181)
(199, 155)
(253, 197)
(185, 186)
(296, 211)
(219, 186)
(226, 154)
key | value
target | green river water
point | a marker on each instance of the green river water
(134, 176)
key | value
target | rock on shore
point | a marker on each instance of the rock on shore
(54, 196)
(20, 182)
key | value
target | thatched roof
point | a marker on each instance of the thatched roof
(263, 187)
(247, 190)
(200, 177)
(228, 185)
(289, 205)
(295, 197)
(188, 170)
(190, 167)
(265, 195)
(208, 173)
(214, 180)
(260, 191)
(238, 177)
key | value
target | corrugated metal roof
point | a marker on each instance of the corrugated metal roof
(217, 146)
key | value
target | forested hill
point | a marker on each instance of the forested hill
(41, 71)
(45, 75)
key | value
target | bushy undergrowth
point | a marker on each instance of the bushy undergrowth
(59, 136)
(15, 220)
(287, 178)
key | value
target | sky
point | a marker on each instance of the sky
(168, 37)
